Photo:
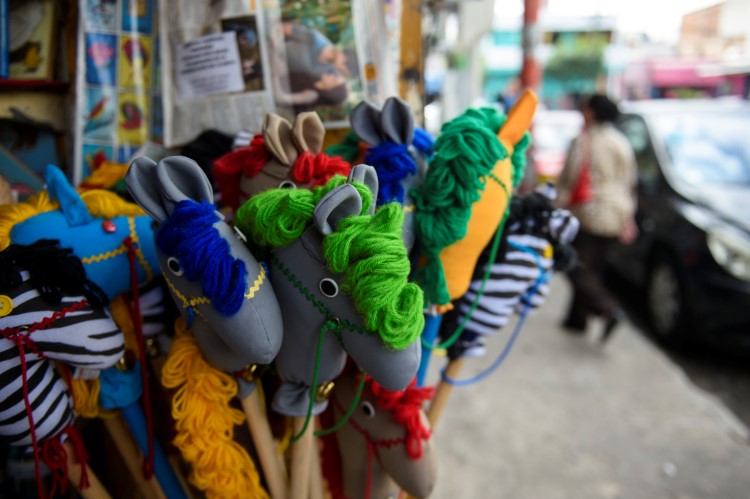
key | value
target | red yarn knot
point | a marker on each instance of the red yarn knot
(405, 407)
(319, 168)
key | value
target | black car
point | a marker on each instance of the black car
(692, 258)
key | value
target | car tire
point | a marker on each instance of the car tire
(667, 302)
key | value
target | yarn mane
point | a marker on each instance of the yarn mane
(101, 204)
(367, 249)
(405, 407)
(278, 217)
(229, 168)
(465, 154)
(394, 162)
(249, 161)
(53, 272)
(190, 236)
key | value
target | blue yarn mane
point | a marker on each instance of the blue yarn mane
(189, 236)
(423, 142)
(393, 163)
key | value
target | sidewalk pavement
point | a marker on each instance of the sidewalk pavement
(565, 418)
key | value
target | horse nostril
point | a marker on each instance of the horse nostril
(329, 287)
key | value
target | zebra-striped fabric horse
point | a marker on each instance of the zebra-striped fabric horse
(537, 240)
(49, 311)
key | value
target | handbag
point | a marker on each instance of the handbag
(581, 192)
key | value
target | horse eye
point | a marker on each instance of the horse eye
(287, 184)
(368, 409)
(329, 287)
(174, 265)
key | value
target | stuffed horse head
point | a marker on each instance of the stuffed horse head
(340, 272)
(479, 157)
(536, 241)
(222, 291)
(397, 150)
(283, 156)
(103, 230)
(49, 311)
(386, 445)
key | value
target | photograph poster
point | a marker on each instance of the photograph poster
(322, 58)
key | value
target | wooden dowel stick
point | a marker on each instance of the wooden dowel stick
(257, 422)
(443, 393)
(316, 473)
(299, 487)
(118, 430)
(95, 490)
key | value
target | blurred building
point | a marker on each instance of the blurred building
(579, 55)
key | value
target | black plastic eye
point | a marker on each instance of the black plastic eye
(368, 409)
(287, 184)
(329, 287)
(174, 265)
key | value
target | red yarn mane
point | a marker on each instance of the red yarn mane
(228, 169)
(318, 168)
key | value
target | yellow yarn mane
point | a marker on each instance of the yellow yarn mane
(102, 204)
(204, 422)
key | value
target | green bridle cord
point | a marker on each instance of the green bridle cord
(335, 325)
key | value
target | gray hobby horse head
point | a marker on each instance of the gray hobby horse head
(396, 149)
(223, 293)
(340, 272)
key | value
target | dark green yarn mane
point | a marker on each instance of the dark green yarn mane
(367, 249)
(465, 154)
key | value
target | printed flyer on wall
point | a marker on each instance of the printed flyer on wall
(118, 93)
(218, 72)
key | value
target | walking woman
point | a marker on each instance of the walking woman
(598, 184)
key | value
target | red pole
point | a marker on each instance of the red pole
(531, 74)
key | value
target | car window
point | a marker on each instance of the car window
(710, 148)
(636, 131)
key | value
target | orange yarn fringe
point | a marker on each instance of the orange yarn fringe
(204, 421)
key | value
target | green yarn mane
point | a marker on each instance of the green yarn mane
(278, 217)
(367, 249)
(465, 154)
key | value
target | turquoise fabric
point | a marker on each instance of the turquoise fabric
(111, 274)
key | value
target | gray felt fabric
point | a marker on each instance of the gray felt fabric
(252, 335)
(303, 321)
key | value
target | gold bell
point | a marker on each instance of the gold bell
(324, 391)
(249, 373)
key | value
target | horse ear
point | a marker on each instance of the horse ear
(365, 174)
(143, 186)
(71, 204)
(308, 132)
(342, 202)
(519, 119)
(365, 120)
(397, 122)
(181, 178)
(277, 133)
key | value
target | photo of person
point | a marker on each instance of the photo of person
(248, 46)
(321, 58)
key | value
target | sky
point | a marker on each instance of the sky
(660, 19)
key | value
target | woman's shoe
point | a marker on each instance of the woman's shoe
(611, 321)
